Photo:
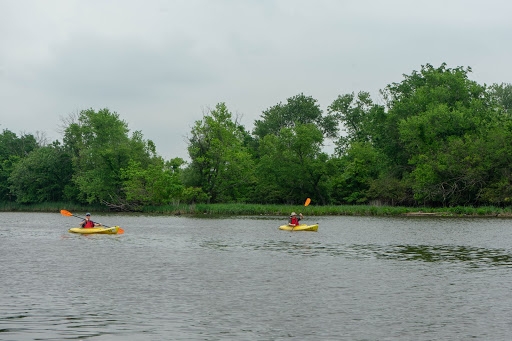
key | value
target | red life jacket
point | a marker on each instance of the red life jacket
(294, 220)
(88, 224)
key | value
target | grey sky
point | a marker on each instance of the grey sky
(161, 64)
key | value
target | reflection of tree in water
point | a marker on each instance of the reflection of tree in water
(306, 247)
(297, 247)
(472, 256)
(216, 244)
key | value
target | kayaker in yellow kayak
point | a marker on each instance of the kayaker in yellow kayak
(295, 219)
(88, 223)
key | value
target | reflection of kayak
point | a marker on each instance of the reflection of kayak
(100, 230)
(301, 227)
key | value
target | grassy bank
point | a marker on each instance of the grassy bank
(278, 210)
(351, 210)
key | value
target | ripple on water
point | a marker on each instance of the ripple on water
(243, 279)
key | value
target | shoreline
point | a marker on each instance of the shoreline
(273, 210)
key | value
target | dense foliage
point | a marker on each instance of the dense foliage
(437, 139)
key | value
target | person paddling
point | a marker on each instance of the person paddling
(88, 223)
(295, 219)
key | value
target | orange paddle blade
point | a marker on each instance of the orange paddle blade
(66, 213)
(308, 200)
(120, 231)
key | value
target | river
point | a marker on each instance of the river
(240, 278)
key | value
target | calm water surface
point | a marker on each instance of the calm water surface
(178, 278)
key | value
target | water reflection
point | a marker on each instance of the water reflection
(471, 256)
(171, 278)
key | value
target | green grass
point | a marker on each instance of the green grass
(312, 210)
(273, 210)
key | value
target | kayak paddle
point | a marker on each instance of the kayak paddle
(308, 200)
(69, 214)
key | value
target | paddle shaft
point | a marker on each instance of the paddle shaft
(69, 214)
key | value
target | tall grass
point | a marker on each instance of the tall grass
(312, 210)
(271, 210)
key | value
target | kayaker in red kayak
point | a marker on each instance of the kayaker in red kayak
(295, 219)
(88, 223)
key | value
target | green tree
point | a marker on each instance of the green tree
(420, 93)
(299, 109)
(158, 183)
(12, 145)
(494, 167)
(352, 174)
(503, 95)
(292, 166)
(44, 175)
(221, 164)
(12, 150)
(445, 141)
(428, 140)
(289, 139)
(101, 148)
(359, 117)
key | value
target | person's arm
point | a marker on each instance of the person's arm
(82, 223)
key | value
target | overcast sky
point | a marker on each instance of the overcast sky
(161, 64)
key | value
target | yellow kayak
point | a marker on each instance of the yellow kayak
(301, 227)
(98, 230)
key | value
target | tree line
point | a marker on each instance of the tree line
(437, 138)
